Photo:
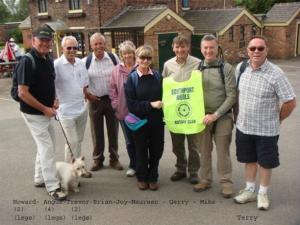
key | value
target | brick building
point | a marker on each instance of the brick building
(233, 27)
(282, 28)
(156, 22)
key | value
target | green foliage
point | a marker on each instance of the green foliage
(260, 6)
(4, 13)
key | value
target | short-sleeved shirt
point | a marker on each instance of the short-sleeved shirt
(40, 81)
(69, 83)
(99, 74)
(260, 93)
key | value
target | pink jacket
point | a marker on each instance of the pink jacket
(116, 91)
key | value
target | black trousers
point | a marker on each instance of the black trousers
(149, 144)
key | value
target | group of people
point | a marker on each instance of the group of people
(127, 91)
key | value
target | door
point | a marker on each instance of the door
(195, 46)
(165, 51)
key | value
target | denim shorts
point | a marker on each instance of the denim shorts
(260, 149)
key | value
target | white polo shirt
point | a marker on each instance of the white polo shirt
(69, 83)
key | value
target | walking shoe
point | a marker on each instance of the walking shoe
(115, 164)
(177, 176)
(263, 202)
(202, 186)
(153, 186)
(96, 165)
(130, 172)
(142, 185)
(86, 174)
(226, 190)
(39, 185)
(193, 179)
(58, 194)
(245, 196)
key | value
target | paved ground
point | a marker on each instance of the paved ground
(111, 198)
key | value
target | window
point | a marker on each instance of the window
(42, 4)
(242, 33)
(74, 4)
(185, 3)
(230, 34)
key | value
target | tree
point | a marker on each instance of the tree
(259, 6)
(4, 13)
(22, 10)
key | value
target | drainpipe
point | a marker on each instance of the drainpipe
(176, 2)
(224, 4)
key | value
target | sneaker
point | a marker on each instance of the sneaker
(39, 185)
(58, 194)
(194, 179)
(130, 172)
(115, 164)
(177, 176)
(226, 190)
(263, 202)
(202, 186)
(245, 196)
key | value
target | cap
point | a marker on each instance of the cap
(11, 40)
(43, 32)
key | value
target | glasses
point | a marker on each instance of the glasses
(145, 57)
(259, 48)
(72, 48)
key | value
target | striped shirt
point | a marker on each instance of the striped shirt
(99, 74)
(260, 93)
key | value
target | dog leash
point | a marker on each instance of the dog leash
(68, 143)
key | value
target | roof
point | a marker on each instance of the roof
(132, 17)
(211, 21)
(57, 25)
(25, 23)
(282, 12)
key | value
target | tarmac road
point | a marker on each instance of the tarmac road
(110, 198)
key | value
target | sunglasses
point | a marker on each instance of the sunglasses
(145, 57)
(259, 48)
(71, 48)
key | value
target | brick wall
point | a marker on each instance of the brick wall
(235, 51)
(194, 4)
(277, 43)
(164, 26)
(211, 4)
(27, 38)
(171, 4)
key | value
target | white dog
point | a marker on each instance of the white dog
(68, 173)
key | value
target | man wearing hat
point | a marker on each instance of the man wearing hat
(38, 108)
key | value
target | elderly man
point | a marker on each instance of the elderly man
(100, 65)
(180, 68)
(38, 106)
(266, 98)
(71, 83)
(219, 90)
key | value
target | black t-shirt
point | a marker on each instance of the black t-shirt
(138, 98)
(39, 80)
